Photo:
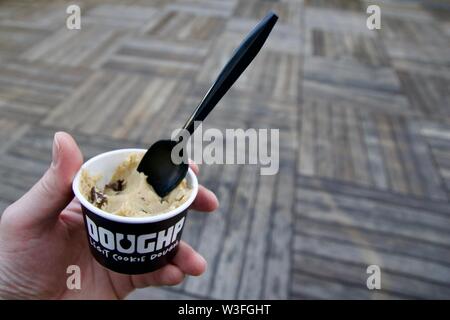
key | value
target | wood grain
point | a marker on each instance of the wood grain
(363, 119)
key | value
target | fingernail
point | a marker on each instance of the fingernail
(204, 263)
(201, 258)
(214, 196)
(55, 150)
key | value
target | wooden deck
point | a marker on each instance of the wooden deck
(364, 119)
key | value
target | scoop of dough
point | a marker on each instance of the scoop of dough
(129, 194)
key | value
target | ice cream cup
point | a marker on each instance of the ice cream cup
(130, 245)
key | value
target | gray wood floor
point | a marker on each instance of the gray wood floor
(364, 119)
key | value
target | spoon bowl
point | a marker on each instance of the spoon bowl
(162, 173)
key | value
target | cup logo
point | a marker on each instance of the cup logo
(131, 248)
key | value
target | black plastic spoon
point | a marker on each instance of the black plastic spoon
(163, 174)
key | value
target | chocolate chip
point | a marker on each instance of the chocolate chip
(97, 198)
(119, 185)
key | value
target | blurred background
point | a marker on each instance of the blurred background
(364, 119)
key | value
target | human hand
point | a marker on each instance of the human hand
(42, 233)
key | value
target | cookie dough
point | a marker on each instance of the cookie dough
(129, 194)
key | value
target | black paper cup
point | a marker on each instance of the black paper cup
(130, 245)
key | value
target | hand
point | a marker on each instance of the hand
(42, 233)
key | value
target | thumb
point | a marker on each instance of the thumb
(53, 192)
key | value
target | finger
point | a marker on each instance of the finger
(74, 205)
(188, 260)
(72, 215)
(53, 192)
(205, 201)
(194, 167)
(169, 275)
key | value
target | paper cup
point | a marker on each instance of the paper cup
(130, 245)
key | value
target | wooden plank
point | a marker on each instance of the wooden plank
(35, 146)
(289, 11)
(278, 264)
(333, 187)
(143, 109)
(204, 8)
(310, 287)
(375, 239)
(151, 67)
(324, 157)
(433, 182)
(170, 106)
(113, 96)
(64, 114)
(118, 108)
(253, 271)
(350, 74)
(373, 216)
(410, 267)
(193, 230)
(149, 47)
(357, 149)
(353, 5)
(17, 39)
(121, 16)
(213, 234)
(393, 165)
(343, 169)
(230, 261)
(67, 47)
(29, 91)
(10, 132)
(353, 277)
(29, 166)
(374, 153)
(306, 165)
(365, 99)
(406, 157)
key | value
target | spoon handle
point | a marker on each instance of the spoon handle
(240, 60)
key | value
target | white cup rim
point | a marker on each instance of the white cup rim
(191, 177)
